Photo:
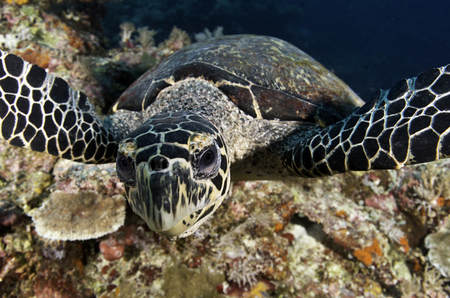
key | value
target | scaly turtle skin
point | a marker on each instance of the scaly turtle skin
(238, 107)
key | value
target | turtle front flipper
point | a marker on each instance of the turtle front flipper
(41, 112)
(408, 124)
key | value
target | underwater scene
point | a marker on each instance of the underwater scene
(67, 229)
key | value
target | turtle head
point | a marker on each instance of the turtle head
(176, 172)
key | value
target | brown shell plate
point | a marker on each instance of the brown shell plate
(264, 76)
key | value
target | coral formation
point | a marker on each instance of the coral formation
(439, 254)
(79, 216)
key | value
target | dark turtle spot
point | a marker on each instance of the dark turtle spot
(351, 122)
(359, 133)
(173, 151)
(400, 143)
(178, 136)
(431, 111)
(369, 105)
(144, 155)
(442, 85)
(443, 103)
(383, 161)
(378, 115)
(90, 150)
(441, 122)
(335, 130)
(346, 146)
(357, 159)
(419, 123)
(224, 163)
(17, 142)
(62, 140)
(58, 116)
(336, 161)
(48, 106)
(371, 147)
(8, 125)
(24, 91)
(23, 104)
(426, 139)
(29, 133)
(306, 159)
(38, 142)
(376, 129)
(14, 65)
(421, 99)
(85, 127)
(21, 123)
(398, 90)
(334, 143)
(49, 126)
(392, 120)
(88, 136)
(59, 91)
(111, 150)
(4, 108)
(445, 146)
(217, 181)
(323, 169)
(426, 78)
(67, 154)
(9, 85)
(384, 139)
(11, 99)
(36, 76)
(37, 95)
(410, 111)
(147, 139)
(87, 118)
(315, 142)
(69, 120)
(396, 107)
(51, 147)
(319, 154)
(78, 148)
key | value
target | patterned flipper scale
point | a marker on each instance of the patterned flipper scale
(408, 124)
(41, 112)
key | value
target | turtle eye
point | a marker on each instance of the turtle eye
(125, 169)
(207, 159)
(207, 162)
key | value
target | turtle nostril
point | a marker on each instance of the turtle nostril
(159, 163)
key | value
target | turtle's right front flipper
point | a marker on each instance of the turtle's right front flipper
(41, 112)
(408, 124)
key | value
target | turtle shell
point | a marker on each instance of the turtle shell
(264, 76)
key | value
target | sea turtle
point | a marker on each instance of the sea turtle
(230, 108)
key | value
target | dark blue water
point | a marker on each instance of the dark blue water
(369, 44)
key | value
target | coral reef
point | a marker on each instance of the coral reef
(350, 235)
(79, 216)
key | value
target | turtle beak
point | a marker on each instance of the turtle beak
(166, 195)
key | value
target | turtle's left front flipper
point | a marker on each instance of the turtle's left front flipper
(41, 112)
(408, 124)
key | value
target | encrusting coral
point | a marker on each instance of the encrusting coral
(79, 216)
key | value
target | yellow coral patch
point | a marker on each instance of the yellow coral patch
(20, 2)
